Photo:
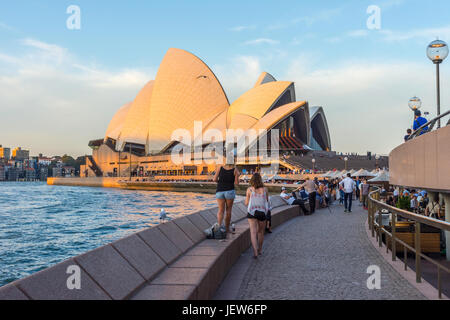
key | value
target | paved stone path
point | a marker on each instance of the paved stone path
(323, 256)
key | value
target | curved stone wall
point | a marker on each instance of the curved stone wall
(170, 261)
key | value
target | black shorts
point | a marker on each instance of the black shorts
(259, 215)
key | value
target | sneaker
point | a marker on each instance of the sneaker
(345, 210)
(349, 211)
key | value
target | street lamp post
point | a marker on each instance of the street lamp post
(437, 51)
(377, 158)
(345, 159)
(314, 165)
(414, 104)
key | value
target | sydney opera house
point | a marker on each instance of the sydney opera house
(138, 140)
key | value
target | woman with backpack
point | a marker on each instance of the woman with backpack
(257, 202)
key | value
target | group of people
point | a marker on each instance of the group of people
(258, 205)
(420, 202)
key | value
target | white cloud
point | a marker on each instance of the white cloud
(262, 41)
(421, 34)
(58, 102)
(242, 28)
(322, 16)
(6, 27)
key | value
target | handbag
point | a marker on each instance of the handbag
(216, 232)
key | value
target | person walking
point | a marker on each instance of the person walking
(357, 190)
(365, 187)
(348, 185)
(227, 177)
(310, 187)
(257, 202)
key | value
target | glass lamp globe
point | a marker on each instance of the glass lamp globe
(345, 159)
(313, 160)
(415, 103)
(437, 51)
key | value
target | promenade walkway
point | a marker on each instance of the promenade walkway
(323, 256)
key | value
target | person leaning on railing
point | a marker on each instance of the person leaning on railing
(419, 121)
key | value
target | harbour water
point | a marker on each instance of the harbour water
(42, 225)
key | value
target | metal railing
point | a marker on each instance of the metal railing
(377, 229)
(430, 126)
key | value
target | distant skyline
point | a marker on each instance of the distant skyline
(59, 88)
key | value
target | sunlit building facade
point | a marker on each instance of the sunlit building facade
(140, 137)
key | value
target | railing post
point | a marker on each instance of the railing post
(380, 221)
(439, 283)
(394, 241)
(418, 254)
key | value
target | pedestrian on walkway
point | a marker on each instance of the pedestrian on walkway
(365, 187)
(357, 190)
(348, 185)
(310, 187)
(227, 177)
(257, 202)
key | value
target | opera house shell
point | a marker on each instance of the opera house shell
(185, 90)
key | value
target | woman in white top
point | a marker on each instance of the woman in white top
(257, 201)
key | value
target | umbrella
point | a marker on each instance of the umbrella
(329, 174)
(363, 173)
(244, 177)
(383, 176)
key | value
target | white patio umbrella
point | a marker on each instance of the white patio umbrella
(329, 174)
(383, 176)
(363, 173)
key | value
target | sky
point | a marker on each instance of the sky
(59, 87)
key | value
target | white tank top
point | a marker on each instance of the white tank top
(258, 202)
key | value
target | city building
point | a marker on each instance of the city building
(20, 155)
(43, 173)
(139, 139)
(13, 174)
(2, 173)
(5, 153)
(57, 171)
(30, 174)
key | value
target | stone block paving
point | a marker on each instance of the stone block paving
(323, 256)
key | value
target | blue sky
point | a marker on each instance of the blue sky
(55, 80)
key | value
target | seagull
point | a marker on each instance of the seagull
(204, 77)
(162, 215)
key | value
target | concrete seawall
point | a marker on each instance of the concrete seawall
(169, 261)
(202, 187)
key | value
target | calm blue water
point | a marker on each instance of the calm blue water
(42, 225)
